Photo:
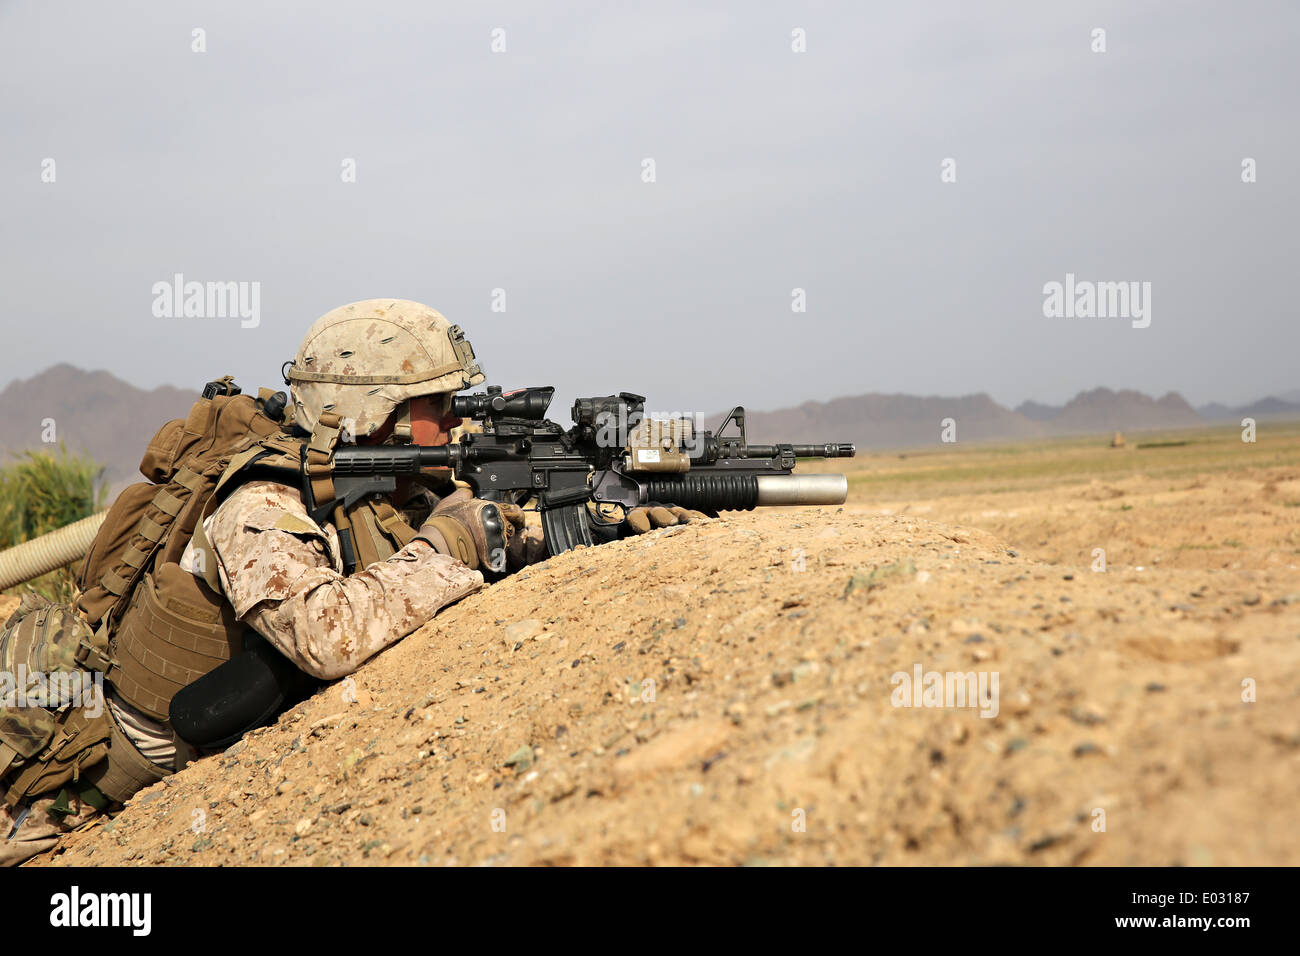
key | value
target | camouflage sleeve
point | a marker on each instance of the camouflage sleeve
(281, 573)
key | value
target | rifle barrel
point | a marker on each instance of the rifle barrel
(830, 449)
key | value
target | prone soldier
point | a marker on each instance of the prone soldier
(217, 564)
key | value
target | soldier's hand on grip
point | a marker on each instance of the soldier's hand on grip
(476, 532)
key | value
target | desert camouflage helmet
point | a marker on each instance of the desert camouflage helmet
(363, 360)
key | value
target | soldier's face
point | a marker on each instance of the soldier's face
(432, 420)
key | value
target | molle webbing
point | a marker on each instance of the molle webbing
(126, 771)
(152, 523)
(166, 629)
(378, 531)
(46, 736)
(77, 742)
(173, 633)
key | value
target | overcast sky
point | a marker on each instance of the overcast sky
(774, 170)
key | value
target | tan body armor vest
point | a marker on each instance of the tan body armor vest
(175, 628)
(152, 627)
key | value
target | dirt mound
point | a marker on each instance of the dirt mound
(734, 693)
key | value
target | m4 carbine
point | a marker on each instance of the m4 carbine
(612, 455)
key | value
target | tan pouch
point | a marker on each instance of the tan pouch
(78, 743)
(47, 741)
(159, 461)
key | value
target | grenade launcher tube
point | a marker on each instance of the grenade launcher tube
(741, 492)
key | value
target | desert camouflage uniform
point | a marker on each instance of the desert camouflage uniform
(282, 574)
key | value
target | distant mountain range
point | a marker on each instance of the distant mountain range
(1262, 409)
(93, 413)
(98, 414)
(909, 421)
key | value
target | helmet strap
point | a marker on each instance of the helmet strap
(402, 424)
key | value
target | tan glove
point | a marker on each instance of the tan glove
(641, 520)
(527, 545)
(476, 532)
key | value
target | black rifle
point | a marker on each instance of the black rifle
(612, 455)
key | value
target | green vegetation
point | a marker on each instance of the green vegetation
(43, 492)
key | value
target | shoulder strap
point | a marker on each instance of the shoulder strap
(319, 457)
(240, 464)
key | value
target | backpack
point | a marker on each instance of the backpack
(145, 624)
(151, 522)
